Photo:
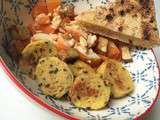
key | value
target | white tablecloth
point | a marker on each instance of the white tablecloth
(15, 106)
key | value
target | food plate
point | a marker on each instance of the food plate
(144, 70)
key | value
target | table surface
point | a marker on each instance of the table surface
(13, 104)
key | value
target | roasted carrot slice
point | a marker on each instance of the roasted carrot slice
(39, 8)
(52, 4)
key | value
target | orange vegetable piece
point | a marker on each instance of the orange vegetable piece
(47, 28)
(103, 57)
(113, 51)
(34, 27)
(52, 4)
(75, 34)
(42, 19)
(61, 45)
(39, 8)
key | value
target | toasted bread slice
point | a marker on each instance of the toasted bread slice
(129, 21)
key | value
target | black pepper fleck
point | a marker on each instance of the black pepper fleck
(109, 17)
(101, 76)
(111, 10)
(42, 61)
(85, 71)
(40, 84)
(122, 2)
(47, 85)
(82, 79)
(122, 13)
(51, 65)
(53, 71)
(120, 28)
(78, 97)
(110, 73)
(64, 69)
(50, 50)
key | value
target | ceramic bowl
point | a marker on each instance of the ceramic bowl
(144, 70)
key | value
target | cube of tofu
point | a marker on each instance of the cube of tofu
(102, 44)
(80, 48)
(126, 56)
(56, 21)
(83, 42)
(91, 40)
(41, 36)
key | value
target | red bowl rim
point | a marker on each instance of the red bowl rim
(45, 105)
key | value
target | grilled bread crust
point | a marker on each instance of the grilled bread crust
(129, 21)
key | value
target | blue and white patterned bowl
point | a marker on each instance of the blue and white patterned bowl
(144, 70)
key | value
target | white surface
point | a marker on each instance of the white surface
(15, 106)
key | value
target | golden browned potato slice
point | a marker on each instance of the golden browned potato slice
(53, 76)
(119, 78)
(89, 92)
(33, 52)
(80, 67)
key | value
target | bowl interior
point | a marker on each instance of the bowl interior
(144, 69)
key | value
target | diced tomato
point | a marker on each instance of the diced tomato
(42, 19)
(47, 29)
(39, 8)
(34, 28)
(52, 4)
(75, 34)
(61, 45)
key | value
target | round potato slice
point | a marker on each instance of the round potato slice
(33, 52)
(89, 92)
(119, 78)
(80, 67)
(53, 76)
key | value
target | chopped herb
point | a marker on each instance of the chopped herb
(53, 71)
(47, 85)
(50, 50)
(40, 84)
